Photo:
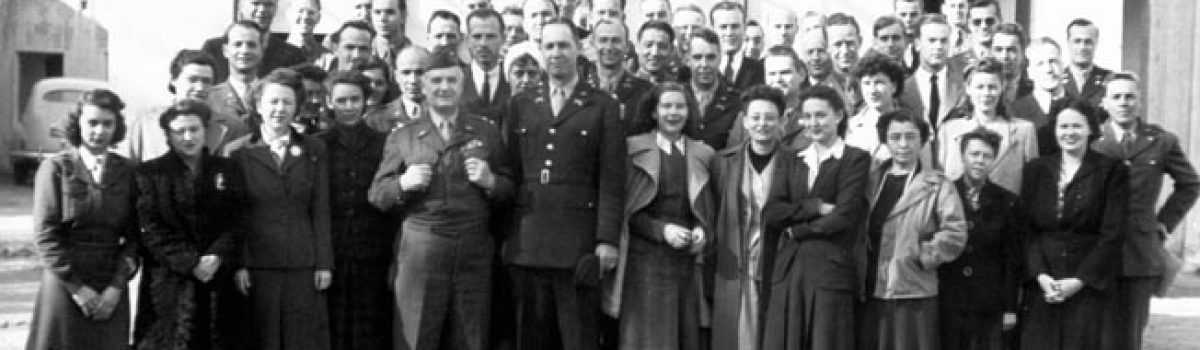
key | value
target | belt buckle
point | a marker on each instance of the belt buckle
(545, 176)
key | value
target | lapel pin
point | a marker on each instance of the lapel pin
(219, 182)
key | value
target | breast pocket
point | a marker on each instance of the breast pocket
(74, 199)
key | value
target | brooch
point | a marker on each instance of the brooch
(219, 182)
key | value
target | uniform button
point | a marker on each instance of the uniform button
(549, 146)
(552, 131)
(549, 162)
(967, 271)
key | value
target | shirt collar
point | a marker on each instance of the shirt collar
(284, 137)
(477, 70)
(438, 119)
(569, 86)
(665, 145)
(820, 153)
(91, 160)
(1120, 132)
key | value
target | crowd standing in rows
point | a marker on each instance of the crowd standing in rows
(544, 177)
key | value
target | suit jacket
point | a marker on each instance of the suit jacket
(953, 91)
(1155, 152)
(279, 54)
(750, 73)
(570, 174)
(360, 232)
(225, 101)
(925, 229)
(719, 117)
(288, 205)
(1026, 107)
(630, 91)
(472, 102)
(986, 277)
(1083, 238)
(1093, 86)
(183, 219)
(86, 232)
(642, 188)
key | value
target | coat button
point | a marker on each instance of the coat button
(549, 146)
(967, 271)
(549, 163)
(552, 131)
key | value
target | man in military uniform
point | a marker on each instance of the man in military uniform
(388, 17)
(443, 172)
(410, 65)
(569, 145)
(609, 38)
(716, 98)
(275, 51)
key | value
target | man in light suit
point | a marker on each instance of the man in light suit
(937, 84)
(243, 53)
(1150, 152)
(1086, 79)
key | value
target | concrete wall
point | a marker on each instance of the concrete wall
(45, 26)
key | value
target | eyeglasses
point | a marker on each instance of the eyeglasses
(984, 21)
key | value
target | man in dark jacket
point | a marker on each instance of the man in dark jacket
(570, 166)
(277, 53)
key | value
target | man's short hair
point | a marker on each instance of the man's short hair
(553, 5)
(1045, 40)
(972, 4)
(513, 10)
(563, 21)
(726, 5)
(707, 35)
(444, 59)
(753, 23)
(842, 19)
(985, 135)
(919, 2)
(658, 25)
(1079, 22)
(788, 52)
(884, 22)
(484, 13)
(688, 7)
(248, 24)
(336, 36)
(605, 21)
(1127, 76)
(309, 71)
(1014, 30)
(901, 115)
(185, 57)
(929, 18)
(446, 15)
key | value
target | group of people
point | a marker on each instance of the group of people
(544, 177)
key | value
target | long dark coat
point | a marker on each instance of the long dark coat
(181, 221)
(1084, 242)
(86, 234)
(813, 274)
(362, 237)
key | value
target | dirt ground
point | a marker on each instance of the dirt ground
(1174, 321)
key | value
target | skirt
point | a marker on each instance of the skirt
(899, 324)
(1072, 325)
(358, 316)
(660, 302)
(287, 311)
(59, 324)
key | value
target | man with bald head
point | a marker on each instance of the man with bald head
(411, 64)
(656, 10)
(389, 17)
(537, 13)
(277, 53)
(570, 167)
(780, 27)
(304, 16)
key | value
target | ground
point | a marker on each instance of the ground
(1174, 319)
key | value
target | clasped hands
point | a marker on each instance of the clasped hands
(418, 176)
(1058, 290)
(680, 237)
(97, 306)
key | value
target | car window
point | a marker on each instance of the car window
(62, 96)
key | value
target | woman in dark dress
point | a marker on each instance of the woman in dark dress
(1077, 205)
(668, 211)
(362, 235)
(978, 291)
(191, 209)
(814, 214)
(86, 233)
(287, 257)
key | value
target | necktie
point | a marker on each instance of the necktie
(487, 89)
(1127, 144)
(447, 130)
(557, 97)
(729, 67)
(935, 101)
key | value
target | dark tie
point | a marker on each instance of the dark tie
(1127, 144)
(487, 89)
(935, 101)
(729, 67)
